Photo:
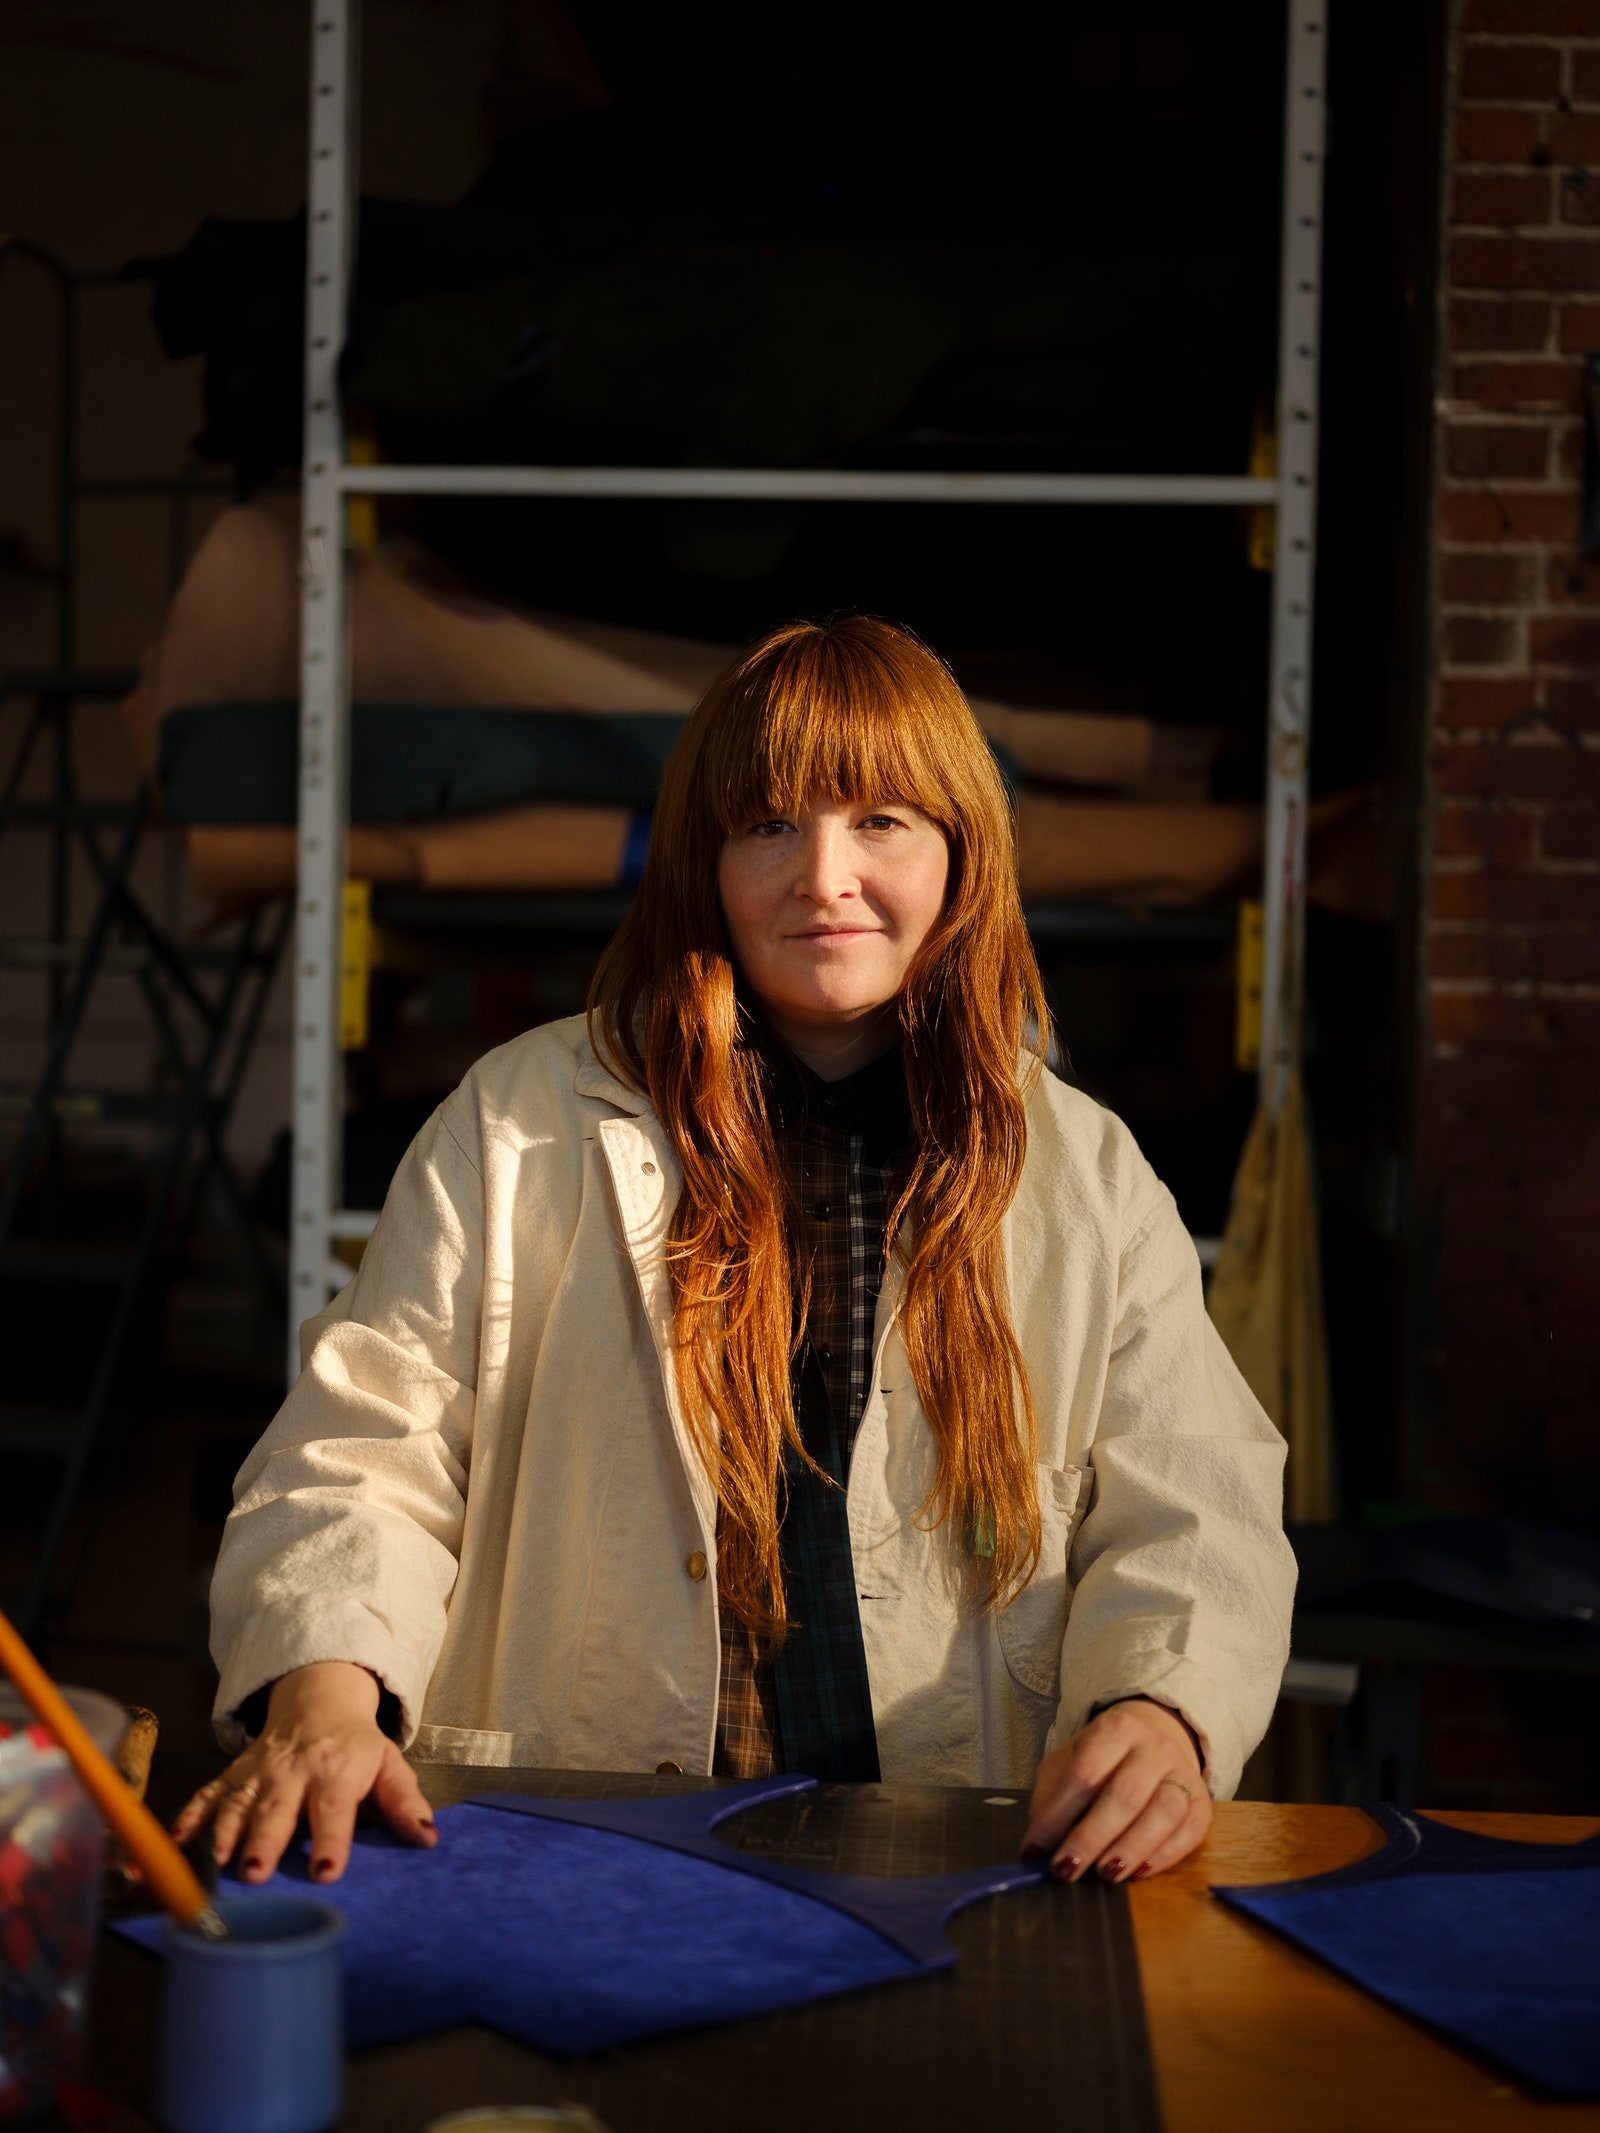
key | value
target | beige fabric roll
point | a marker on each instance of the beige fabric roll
(1266, 1300)
(232, 636)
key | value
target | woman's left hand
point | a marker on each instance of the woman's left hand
(1125, 1795)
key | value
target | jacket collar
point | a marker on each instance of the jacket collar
(592, 1079)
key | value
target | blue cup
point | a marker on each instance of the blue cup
(251, 2037)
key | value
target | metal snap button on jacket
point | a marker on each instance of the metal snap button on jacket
(696, 1566)
(669, 1769)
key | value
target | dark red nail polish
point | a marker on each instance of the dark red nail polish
(1033, 1851)
(1110, 1869)
(322, 1869)
(1141, 1874)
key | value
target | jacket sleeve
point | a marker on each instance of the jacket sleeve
(1183, 1580)
(345, 1534)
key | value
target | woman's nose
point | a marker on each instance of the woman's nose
(825, 871)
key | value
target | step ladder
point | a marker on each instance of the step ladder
(205, 1004)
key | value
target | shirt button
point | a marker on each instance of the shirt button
(696, 1566)
(825, 1358)
(649, 1169)
(822, 1210)
(669, 1769)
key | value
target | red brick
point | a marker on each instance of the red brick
(1580, 327)
(1482, 640)
(1515, 955)
(1497, 957)
(1486, 451)
(1473, 579)
(1560, 641)
(1574, 137)
(1464, 1018)
(1514, 771)
(1480, 830)
(1571, 833)
(1496, 515)
(1532, 18)
(1579, 200)
(1513, 326)
(1566, 958)
(1475, 704)
(1571, 581)
(1487, 1086)
(1500, 136)
(1520, 388)
(1586, 77)
(1546, 263)
(1510, 73)
(1521, 199)
(1574, 704)
(1568, 581)
(1571, 452)
(1489, 898)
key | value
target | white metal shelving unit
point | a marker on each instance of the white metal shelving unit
(316, 1219)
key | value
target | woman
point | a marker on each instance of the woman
(780, 1368)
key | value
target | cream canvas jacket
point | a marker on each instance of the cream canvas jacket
(482, 1487)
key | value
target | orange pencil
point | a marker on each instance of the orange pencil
(169, 1874)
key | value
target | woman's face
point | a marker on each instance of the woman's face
(826, 909)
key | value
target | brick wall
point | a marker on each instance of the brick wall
(1508, 1142)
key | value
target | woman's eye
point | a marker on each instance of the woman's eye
(880, 822)
(773, 828)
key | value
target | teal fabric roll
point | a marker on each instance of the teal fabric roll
(240, 763)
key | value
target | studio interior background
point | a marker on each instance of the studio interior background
(596, 234)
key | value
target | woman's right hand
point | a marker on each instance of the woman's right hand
(322, 1753)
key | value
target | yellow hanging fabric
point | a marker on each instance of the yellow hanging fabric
(1266, 1298)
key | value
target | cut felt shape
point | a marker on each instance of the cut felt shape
(581, 1924)
(1494, 1943)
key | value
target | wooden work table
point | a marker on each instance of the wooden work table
(1246, 2034)
(1250, 2035)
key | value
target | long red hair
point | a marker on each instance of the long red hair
(853, 708)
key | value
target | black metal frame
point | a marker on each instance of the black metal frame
(205, 1002)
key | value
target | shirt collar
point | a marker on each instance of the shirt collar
(871, 1102)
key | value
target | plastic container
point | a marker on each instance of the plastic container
(251, 2038)
(51, 1841)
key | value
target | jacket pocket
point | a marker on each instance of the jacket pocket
(464, 1744)
(1032, 1627)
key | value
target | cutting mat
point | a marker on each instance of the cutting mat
(1041, 2022)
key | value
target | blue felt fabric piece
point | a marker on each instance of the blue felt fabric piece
(576, 1938)
(1497, 1944)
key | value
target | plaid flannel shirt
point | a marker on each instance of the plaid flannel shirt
(842, 1145)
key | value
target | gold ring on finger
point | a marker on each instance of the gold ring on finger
(1182, 1787)
(245, 1787)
